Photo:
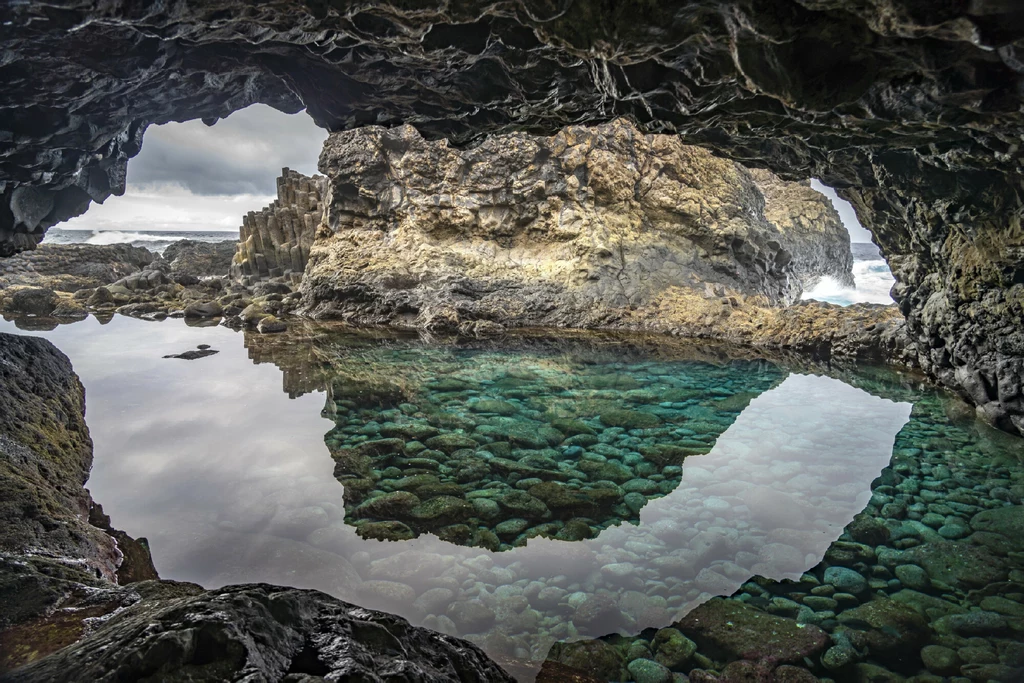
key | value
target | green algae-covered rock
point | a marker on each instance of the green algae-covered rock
(595, 658)
(649, 671)
(443, 510)
(563, 501)
(570, 427)
(727, 629)
(670, 454)
(609, 471)
(449, 443)
(629, 419)
(672, 648)
(395, 505)
(385, 531)
(495, 406)
(893, 632)
(522, 504)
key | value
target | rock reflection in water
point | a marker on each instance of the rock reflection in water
(235, 486)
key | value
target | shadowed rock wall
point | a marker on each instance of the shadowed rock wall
(275, 240)
(810, 228)
(912, 109)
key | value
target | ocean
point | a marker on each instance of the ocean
(154, 240)
(870, 273)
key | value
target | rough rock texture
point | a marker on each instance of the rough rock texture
(910, 108)
(45, 456)
(275, 240)
(200, 259)
(575, 230)
(259, 632)
(71, 267)
(810, 227)
(64, 283)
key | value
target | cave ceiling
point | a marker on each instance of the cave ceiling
(846, 90)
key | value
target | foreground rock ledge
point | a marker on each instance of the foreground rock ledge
(62, 609)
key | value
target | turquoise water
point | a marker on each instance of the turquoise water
(863, 526)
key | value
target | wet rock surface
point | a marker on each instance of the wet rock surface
(909, 109)
(65, 283)
(180, 632)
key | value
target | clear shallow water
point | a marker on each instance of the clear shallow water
(154, 240)
(232, 481)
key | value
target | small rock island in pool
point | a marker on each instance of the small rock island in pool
(521, 384)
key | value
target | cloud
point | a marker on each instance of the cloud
(167, 206)
(858, 233)
(242, 154)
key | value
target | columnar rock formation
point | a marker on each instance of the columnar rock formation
(912, 109)
(275, 240)
(581, 229)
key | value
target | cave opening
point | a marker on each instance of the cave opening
(560, 303)
(193, 180)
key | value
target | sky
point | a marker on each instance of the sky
(858, 233)
(194, 177)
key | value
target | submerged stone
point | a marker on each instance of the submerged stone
(727, 629)
(629, 419)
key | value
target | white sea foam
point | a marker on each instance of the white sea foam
(873, 278)
(118, 237)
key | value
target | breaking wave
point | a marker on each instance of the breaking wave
(873, 279)
(118, 237)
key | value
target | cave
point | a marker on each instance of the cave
(913, 111)
(909, 110)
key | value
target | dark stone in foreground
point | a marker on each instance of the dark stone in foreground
(260, 632)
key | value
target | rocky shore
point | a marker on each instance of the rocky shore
(81, 600)
(64, 283)
(581, 229)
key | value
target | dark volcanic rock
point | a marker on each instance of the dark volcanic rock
(259, 632)
(810, 229)
(71, 267)
(45, 456)
(200, 259)
(910, 108)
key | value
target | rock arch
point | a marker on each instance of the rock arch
(911, 109)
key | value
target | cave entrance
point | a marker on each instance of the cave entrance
(194, 181)
(872, 278)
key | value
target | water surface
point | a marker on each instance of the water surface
(235, 470)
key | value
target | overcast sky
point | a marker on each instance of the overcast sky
(190, 176)
(849, 217)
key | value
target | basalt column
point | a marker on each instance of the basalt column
(275, 240)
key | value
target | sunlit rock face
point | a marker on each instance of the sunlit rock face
(588, 227)
(275, 240)
(911, 109)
